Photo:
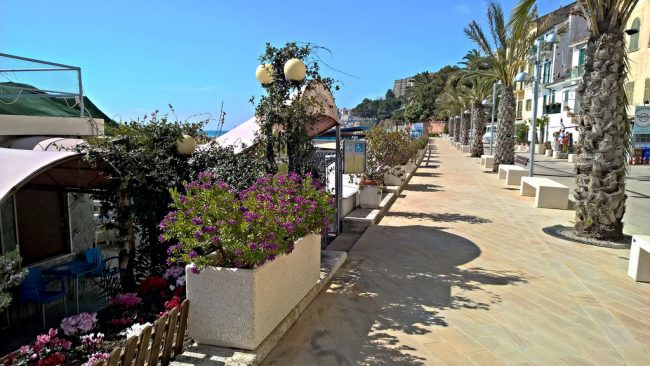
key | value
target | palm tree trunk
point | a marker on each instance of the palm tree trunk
(457, 129)
(504, 152)
(464, 128)
(604, 139)
(478, 121)
(450, 127)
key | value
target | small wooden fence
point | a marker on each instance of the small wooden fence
(156, 344)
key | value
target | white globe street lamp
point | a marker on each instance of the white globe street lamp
(186, 145)
(264, 74)
(295, 69)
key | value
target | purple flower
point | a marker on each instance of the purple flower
(192, 254)
(252, 246)
(76, 324)
(197, 221)
(161, 238)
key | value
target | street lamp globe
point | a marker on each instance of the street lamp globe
(521, 77)
(264, 74)
(485, 102)
(186, 145)
(295, 69)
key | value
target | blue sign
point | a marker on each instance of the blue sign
(359, 147)
(417, 129)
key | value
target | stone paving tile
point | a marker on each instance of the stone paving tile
(459, 272)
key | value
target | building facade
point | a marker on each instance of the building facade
(400, 85)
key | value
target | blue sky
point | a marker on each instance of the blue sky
(137, 56)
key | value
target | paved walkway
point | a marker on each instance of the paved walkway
(460, 273)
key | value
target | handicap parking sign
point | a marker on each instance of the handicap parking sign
(358, 147)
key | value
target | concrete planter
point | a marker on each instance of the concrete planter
(572, 158)
(394, 180)
(540, 148)
(370, 197)
(548, 153)
(240, 307)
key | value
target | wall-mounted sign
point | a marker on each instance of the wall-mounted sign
(354, 156)
(642, 120)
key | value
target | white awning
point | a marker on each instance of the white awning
(17, 167)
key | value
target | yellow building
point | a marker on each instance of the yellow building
(638, 85)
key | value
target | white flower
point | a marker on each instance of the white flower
(135, 330)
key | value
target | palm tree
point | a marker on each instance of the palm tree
(506, 53)
(452, 102)
(603, 125)
(479, 86)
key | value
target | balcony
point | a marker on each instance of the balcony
(553, 108)
(577, 71)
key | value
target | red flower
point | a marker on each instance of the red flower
(53, 360)
(152, 282)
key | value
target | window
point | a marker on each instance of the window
(629, 92)
(566, 96)
(546, 74)
(581, 57)
(646, 92)
(529, 103)
(520, 105)
(634, 38)
(552, 96)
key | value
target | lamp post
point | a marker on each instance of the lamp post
(494, 106)
(295, 70)
(522, 77)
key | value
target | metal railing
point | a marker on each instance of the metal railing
(43, 66)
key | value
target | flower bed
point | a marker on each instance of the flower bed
(87, 338)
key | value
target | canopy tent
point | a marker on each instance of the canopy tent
(43, 143)
(52, 170)
(328, 117)
(27, 100)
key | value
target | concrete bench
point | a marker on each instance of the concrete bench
(548, 193)
(465, 148)
(487, 161)
(512, 174)
(639, 267)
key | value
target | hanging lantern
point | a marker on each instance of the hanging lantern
(295, 70)
(264, 74)
(186, 145)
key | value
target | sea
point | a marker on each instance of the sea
(214, 133)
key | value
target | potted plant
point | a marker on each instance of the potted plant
(548, 150)
(251, 254)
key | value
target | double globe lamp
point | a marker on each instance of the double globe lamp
(294, 70)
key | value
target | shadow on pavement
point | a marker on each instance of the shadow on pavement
(399, 280)
(440, 217)
(423, 188)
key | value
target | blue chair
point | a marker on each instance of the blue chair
(34, 289)
(102, 268)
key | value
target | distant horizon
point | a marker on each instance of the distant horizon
(196, 56)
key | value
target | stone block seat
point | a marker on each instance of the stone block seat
(465, 148)
(548, 193)
(639, 266)
(512, 174)
(487, 161)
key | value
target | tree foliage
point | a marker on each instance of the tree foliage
(284, 107)
(378, 109)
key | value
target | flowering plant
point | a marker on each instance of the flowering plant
(79, 324)
(11, 275)
(128, 300)
(48, 350)
(216, 225)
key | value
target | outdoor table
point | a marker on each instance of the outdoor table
(74, 269)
